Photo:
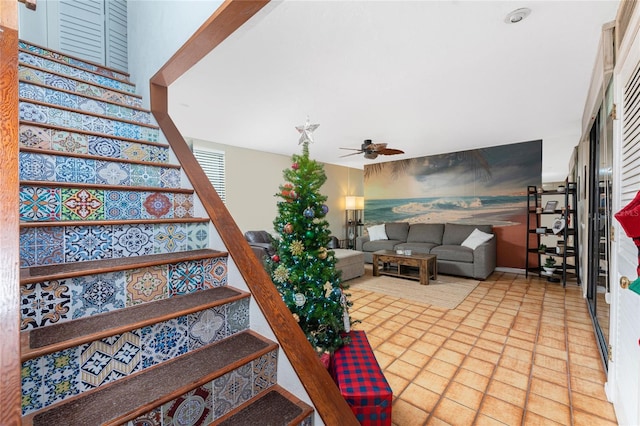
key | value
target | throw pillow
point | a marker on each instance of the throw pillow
(476, 238)
(377, 233)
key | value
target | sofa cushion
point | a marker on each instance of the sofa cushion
(455, 233)
(377, 232)
(426, 233)
(455, 253)
(397, 230)
(258, 237)
(416, 247)
(379, 245)
(476, 238)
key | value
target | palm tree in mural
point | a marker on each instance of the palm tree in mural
(423, 166)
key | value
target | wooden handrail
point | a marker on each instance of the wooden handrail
(10, 400)
(321, 388)
(31, 4)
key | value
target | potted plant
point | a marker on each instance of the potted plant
(542, 248)
(550, 265)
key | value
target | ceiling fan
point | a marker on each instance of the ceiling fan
(372, 150)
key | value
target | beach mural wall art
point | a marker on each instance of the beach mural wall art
(481, 186)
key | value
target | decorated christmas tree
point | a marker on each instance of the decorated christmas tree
(303, 269)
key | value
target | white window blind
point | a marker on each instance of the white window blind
(212, 162)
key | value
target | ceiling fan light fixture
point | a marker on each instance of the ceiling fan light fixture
(517, 15)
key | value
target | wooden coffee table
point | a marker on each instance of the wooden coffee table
(404, 266)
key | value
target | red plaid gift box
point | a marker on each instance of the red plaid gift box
(356, 371)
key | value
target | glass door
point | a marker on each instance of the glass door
(600, 167)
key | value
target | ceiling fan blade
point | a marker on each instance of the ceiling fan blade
(377, 147)
(353, 153)
(353, 149)
(390, 151)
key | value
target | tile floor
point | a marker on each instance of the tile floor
(517, 351)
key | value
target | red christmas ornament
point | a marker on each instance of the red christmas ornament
(295, 166)
(275, 258)
(287, 188)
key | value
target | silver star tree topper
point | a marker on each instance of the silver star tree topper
(306, 131)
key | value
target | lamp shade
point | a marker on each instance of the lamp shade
(354, 203)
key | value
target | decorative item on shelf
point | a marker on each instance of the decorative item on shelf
(560, 247)
(550, 206)
(540, 190)
(541, 230)
(549, 265)
(538, 210)
(561, 188)
(558, 225)
(542, 248)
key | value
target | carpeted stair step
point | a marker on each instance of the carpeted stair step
(61, 271)
(33, 74)
(72, 141)
(56, 337)
(37, 112)
(273, 407)
(35, 60)
(49, 243)
(125, 399)
(76, 62)
(66, 99)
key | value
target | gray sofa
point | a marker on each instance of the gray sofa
(443, 240)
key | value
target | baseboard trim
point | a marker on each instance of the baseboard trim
(510, 270)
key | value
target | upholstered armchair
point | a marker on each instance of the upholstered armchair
(260, 242)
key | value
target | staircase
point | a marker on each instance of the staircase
(127, 315)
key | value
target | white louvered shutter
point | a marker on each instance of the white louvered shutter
(81, 29)
(212, 162)
(116, 35)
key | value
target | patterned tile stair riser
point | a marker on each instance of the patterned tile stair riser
(58, 301)
(61, 204)
(74, 72)
(58, 168)
(72, 61)
(65, 244)
(36, 75)
(63, 99)
(105, 126)
(81, 143)
(57, 376)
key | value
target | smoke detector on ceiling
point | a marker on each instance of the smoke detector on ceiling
(517, 15)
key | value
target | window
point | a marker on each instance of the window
(212, 162)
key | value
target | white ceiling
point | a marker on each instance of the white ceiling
(426, 77)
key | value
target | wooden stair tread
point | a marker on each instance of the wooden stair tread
(129, 397)
(97, 157)
(45, 183)
(56, 337)
(35, 274)
(273, 407)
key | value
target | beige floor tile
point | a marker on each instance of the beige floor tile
(471, 379)
(464, 395)
(507, 353)
(442, 368)
(507, 393)
(405, 414)
(549, 409)
(403, 369)
(478, 366)
(550, 390)
(501, 410)
(592, 405)
(511, 377)
(431, 381)
(397, 383)
(422, 398)
(454, 413)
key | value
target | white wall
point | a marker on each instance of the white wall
(253, 178)
(157, 29)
